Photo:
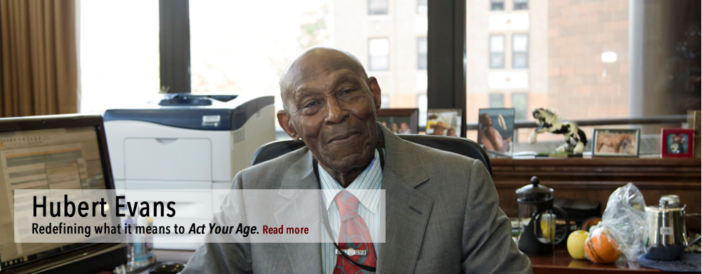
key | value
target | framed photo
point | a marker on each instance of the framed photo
(495, 129)
(444, 122)
(615, 142)
(677, 142)
(400, 120)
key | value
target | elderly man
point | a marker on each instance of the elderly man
(442, 213)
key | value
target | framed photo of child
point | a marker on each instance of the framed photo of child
(677, 143)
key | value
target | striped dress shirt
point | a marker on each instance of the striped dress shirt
(366, 187)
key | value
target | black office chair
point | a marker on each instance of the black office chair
(456, 145)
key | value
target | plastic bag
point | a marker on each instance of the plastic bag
(624, 220)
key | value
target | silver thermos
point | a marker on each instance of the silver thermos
(667, 233)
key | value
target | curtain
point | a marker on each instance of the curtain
(38, 59)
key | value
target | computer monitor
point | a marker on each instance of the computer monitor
(53, 152)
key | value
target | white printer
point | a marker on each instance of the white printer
(187, 141)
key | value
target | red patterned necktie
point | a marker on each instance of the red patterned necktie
(353, 233)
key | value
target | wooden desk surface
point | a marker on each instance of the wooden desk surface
(561, 262)
(595, 179)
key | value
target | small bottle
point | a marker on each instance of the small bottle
(128, 222)
(143, 254)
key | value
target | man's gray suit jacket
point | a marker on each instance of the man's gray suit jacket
(442, 216)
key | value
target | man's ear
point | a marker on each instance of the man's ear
(375, 90)
(286, 123)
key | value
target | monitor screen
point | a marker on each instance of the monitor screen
(62, 152)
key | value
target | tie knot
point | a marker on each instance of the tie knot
(347, 203)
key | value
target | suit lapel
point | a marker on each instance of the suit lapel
(407, 210)
(304, 257)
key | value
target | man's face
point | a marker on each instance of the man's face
(332, 107)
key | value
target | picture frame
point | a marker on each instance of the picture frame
(400, 120)
(444, 122)
(677, 143)
(616, 142)
(496, 129)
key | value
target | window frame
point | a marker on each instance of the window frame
(496, 94)
(526, 52)
(372, 12)
(490, 52)
(526, 106)
(419, 53)
(422, 7)
(370, 56)
(493, 2)
(514, 5)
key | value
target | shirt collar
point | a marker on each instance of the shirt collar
(366, 187)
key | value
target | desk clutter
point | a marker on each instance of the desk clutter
(631, 233)
(627, 231)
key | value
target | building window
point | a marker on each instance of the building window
(497, 100)
(520, 105)
(378, 54)
(497, 51)
(521, 4)
(422, 106)
(497, 4)
(384, 101)
(422, 7)
(520, 51)
(422, 53)
(377, 7)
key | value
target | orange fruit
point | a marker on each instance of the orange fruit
(602, 248)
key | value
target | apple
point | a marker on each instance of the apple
(576, 244)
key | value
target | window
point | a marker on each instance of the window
(422, 53)
(497, 100)
(422, 7)
(521, 4)
(250, 59)
(564, 73)
(520, 51)
(133, 54)
(378, 51)
(497, 51)
(422, 106)
(497, 4)
(520, 105)
(377, 7)
(384, 101)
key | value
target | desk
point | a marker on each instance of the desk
(596, 178)
(561, 263)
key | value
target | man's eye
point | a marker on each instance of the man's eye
(346, 91)
(311, 104)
